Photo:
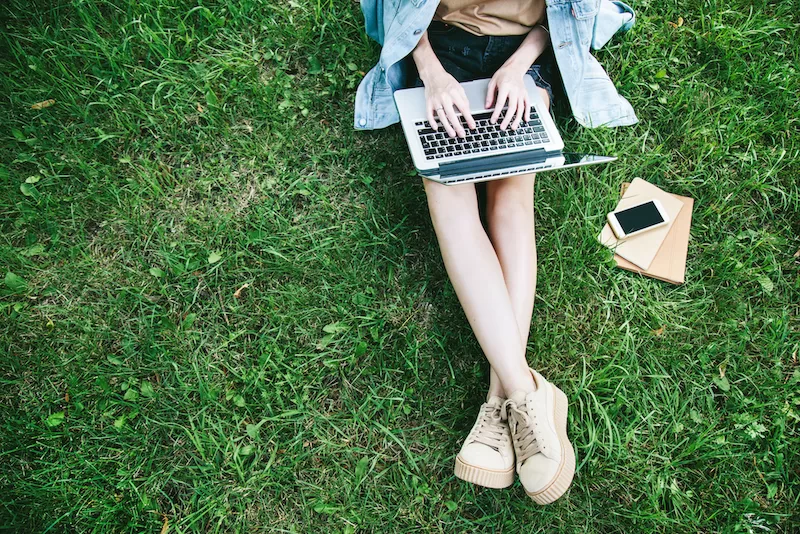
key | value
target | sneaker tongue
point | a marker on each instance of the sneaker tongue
(495, 401)
(518, 397)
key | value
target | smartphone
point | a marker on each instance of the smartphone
(636, 219)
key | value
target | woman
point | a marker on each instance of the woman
(522, 425)
(498, 39)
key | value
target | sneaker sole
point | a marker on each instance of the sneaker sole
(481, 476)
(563, 479)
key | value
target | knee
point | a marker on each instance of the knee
(545, 96)
(509, 211)
(511, 198)
(452, 206)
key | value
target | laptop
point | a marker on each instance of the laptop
(487, 153)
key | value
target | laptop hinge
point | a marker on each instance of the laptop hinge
(490, 163)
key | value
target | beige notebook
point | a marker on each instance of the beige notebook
(640, 250)
(669, 264)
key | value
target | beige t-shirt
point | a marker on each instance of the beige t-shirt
(492, 17)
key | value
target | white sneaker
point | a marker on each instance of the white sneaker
(487, 456)
(538, 423)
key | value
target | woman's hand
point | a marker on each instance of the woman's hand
(508, 85)
(443, 97)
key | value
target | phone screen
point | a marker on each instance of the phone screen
(639, 217)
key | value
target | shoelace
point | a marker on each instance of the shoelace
(490, 430)
(524, 429)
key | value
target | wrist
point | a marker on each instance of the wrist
(531, 48)
(429, 70)
(518, 63)
(427, 63)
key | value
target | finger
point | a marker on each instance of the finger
(431, 119)
(502, 95)
(520, 113)
(463, 107)
(454, 121)
(527, 109)
(490, 94)
(511, 111)
(445, 123)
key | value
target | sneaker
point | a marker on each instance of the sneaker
(538, 423)
(487, 456)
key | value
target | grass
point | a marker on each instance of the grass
(193, 151)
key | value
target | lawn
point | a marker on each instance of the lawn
(224, 310)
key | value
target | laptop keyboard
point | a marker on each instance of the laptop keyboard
(437, 144)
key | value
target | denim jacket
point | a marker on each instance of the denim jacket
(575, 26)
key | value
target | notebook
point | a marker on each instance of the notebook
(669, 264)
(641, 250)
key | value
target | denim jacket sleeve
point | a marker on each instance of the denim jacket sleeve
(397, 26)
(612, 17)
(373, 21)
(575, 26)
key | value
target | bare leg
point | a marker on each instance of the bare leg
(509, 212)
(477, 278)
(495, 386)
